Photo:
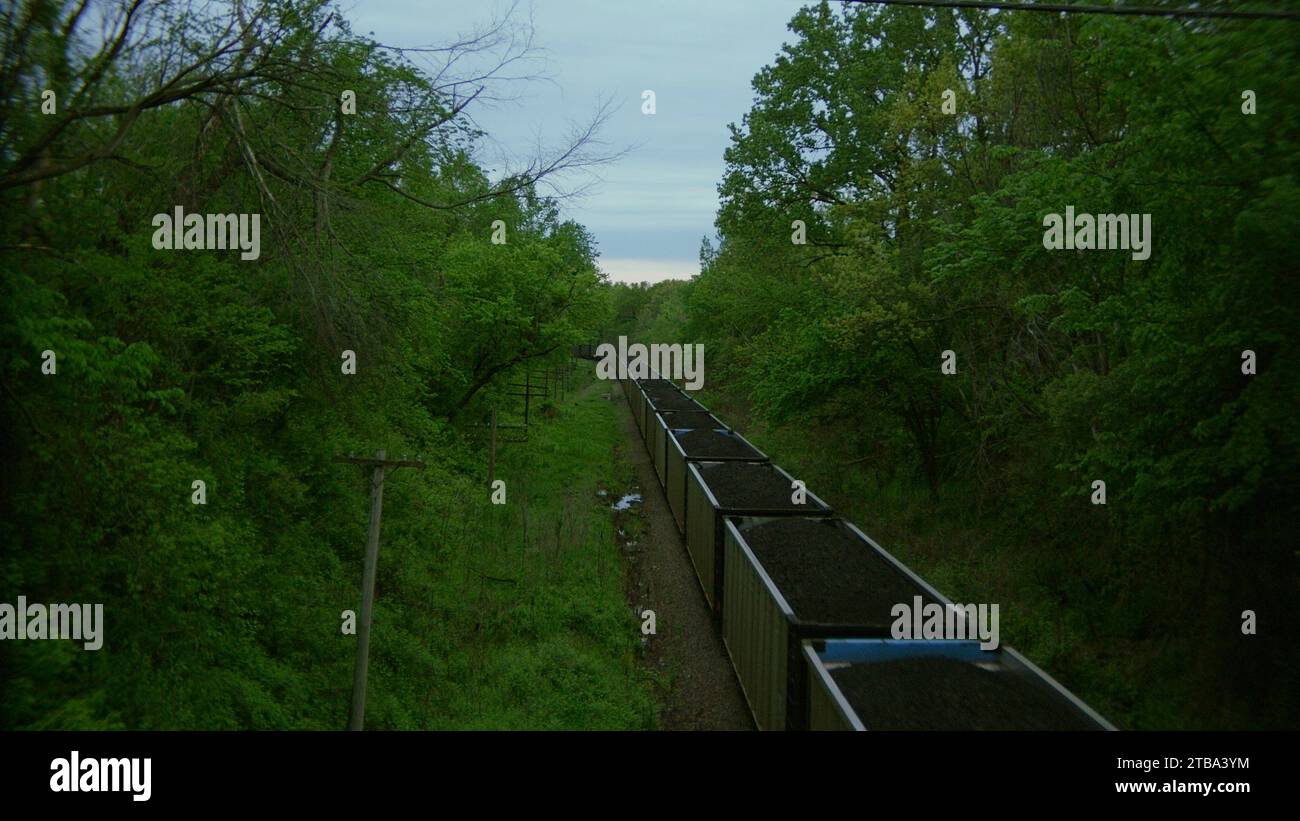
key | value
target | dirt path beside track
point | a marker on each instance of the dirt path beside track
(701, 691)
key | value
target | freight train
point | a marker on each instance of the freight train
(804, 597)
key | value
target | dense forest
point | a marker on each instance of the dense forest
(879, 307)
(171, 366)
(918, 154)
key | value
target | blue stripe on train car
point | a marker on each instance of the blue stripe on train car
(893, 649)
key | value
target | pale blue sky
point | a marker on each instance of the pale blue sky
(649, 209)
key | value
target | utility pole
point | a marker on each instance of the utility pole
(380, 463)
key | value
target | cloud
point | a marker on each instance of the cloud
(650, 208)
(642, 269)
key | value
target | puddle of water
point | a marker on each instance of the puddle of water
(627, 501)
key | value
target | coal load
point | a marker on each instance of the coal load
(674, 401)
(712, 444)
(750, 486)
(689, 419)
(946, 694)
(829, 576)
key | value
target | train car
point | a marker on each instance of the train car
(806, 599)
(681, 420)
(701, 444)
(865, 684)
(636, 401)
(794, 578)
(716, 490)
(652, 385)
(631, 393)
(629, 390)
(662, 397)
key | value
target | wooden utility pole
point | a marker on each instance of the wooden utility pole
(380, 463)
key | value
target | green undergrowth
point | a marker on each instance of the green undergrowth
(526, 622)
(512, 616)
(230, 615)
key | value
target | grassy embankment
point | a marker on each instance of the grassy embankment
(526, 615)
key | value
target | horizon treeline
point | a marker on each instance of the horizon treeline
(919, 155)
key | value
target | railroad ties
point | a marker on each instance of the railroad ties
(809, 605)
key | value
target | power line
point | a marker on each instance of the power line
(1073, 8)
